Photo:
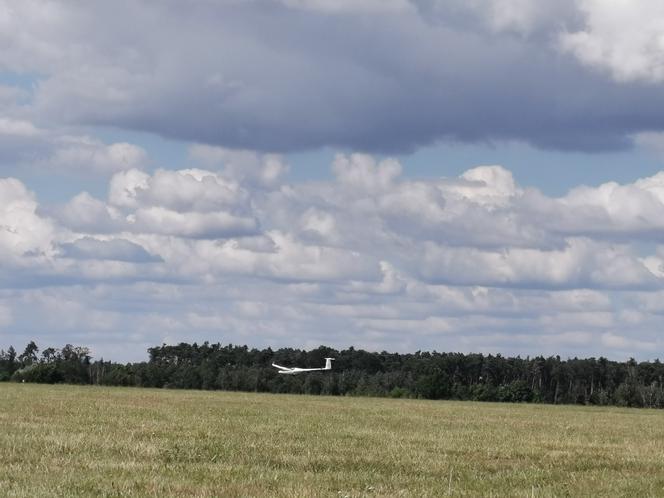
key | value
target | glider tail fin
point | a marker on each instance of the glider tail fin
(328, 363)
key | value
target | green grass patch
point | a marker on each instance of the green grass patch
(112, 442)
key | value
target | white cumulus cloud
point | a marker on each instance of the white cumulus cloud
(622, 37)
(368, 257)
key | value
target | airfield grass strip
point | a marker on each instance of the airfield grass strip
(112, 442)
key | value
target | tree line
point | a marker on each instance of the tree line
(428, 375)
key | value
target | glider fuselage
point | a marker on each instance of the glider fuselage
(297, 370)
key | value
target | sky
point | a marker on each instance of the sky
(453, 175)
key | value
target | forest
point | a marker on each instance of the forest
(427, 375)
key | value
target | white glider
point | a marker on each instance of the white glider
(296, 370)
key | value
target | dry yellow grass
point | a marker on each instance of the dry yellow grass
(92, 441)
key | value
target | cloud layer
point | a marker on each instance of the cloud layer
(286, 75)
(369, 258)
(228, 248)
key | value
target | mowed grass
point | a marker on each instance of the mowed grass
(95, 441)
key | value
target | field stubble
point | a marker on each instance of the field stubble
(95, 441)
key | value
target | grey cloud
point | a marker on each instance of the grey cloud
(210, 225)
(582, 264)
(25, 145)
(113, 249)
(83, 213)
(268, 76)
(522, 18)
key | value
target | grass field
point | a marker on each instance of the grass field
(92, 441)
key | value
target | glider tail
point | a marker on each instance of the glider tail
(328, 363)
